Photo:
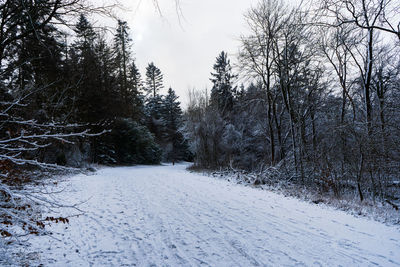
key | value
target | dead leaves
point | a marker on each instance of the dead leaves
(57, 220)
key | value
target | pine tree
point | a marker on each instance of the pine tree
(32, 58)
(177, 148)
(136, 84)
(154, 80)
(222, 91)
(122, 43)
(135, 77)
(172, 113)
(154, 83)
(84, 33)
(38, 64)
(85, 74)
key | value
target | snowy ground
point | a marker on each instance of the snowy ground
(166, 216)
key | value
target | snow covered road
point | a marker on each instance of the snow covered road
(166, 216)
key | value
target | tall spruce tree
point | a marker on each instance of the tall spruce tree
(135, 77)
(122, 43)
(136, 84)
(176, 147)
(154, 80)
(85, 75)
(108, 88)
(153, 108)
(85, 34)
(222, 92)
(35, 61)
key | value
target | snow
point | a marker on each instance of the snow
(167, 216)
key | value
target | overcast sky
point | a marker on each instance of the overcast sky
(185, 52)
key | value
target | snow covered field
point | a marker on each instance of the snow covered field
(166, 216)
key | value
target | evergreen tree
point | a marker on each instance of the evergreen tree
(85, 74)
(121, 46)
(155, 121)
(122, 58)
(111, 107)
(85, 34)
(132, 143)
(154, 83)
(136, 84)
(172, 112)
(176, 148)
(154, 80)
(36, 61)
(222, 92)
(135, 78)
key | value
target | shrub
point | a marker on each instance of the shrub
(134, 144)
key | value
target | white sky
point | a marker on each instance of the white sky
(185, 52)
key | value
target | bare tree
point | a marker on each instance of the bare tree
(256, 58)
(359, 24)
(369, 16)
(381, 15)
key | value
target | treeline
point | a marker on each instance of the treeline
(80, 91)
(321, 101)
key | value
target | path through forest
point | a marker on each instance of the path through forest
(166, 216)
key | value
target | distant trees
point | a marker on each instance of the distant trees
(164, 117)
(112, 97)
(207, 121)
